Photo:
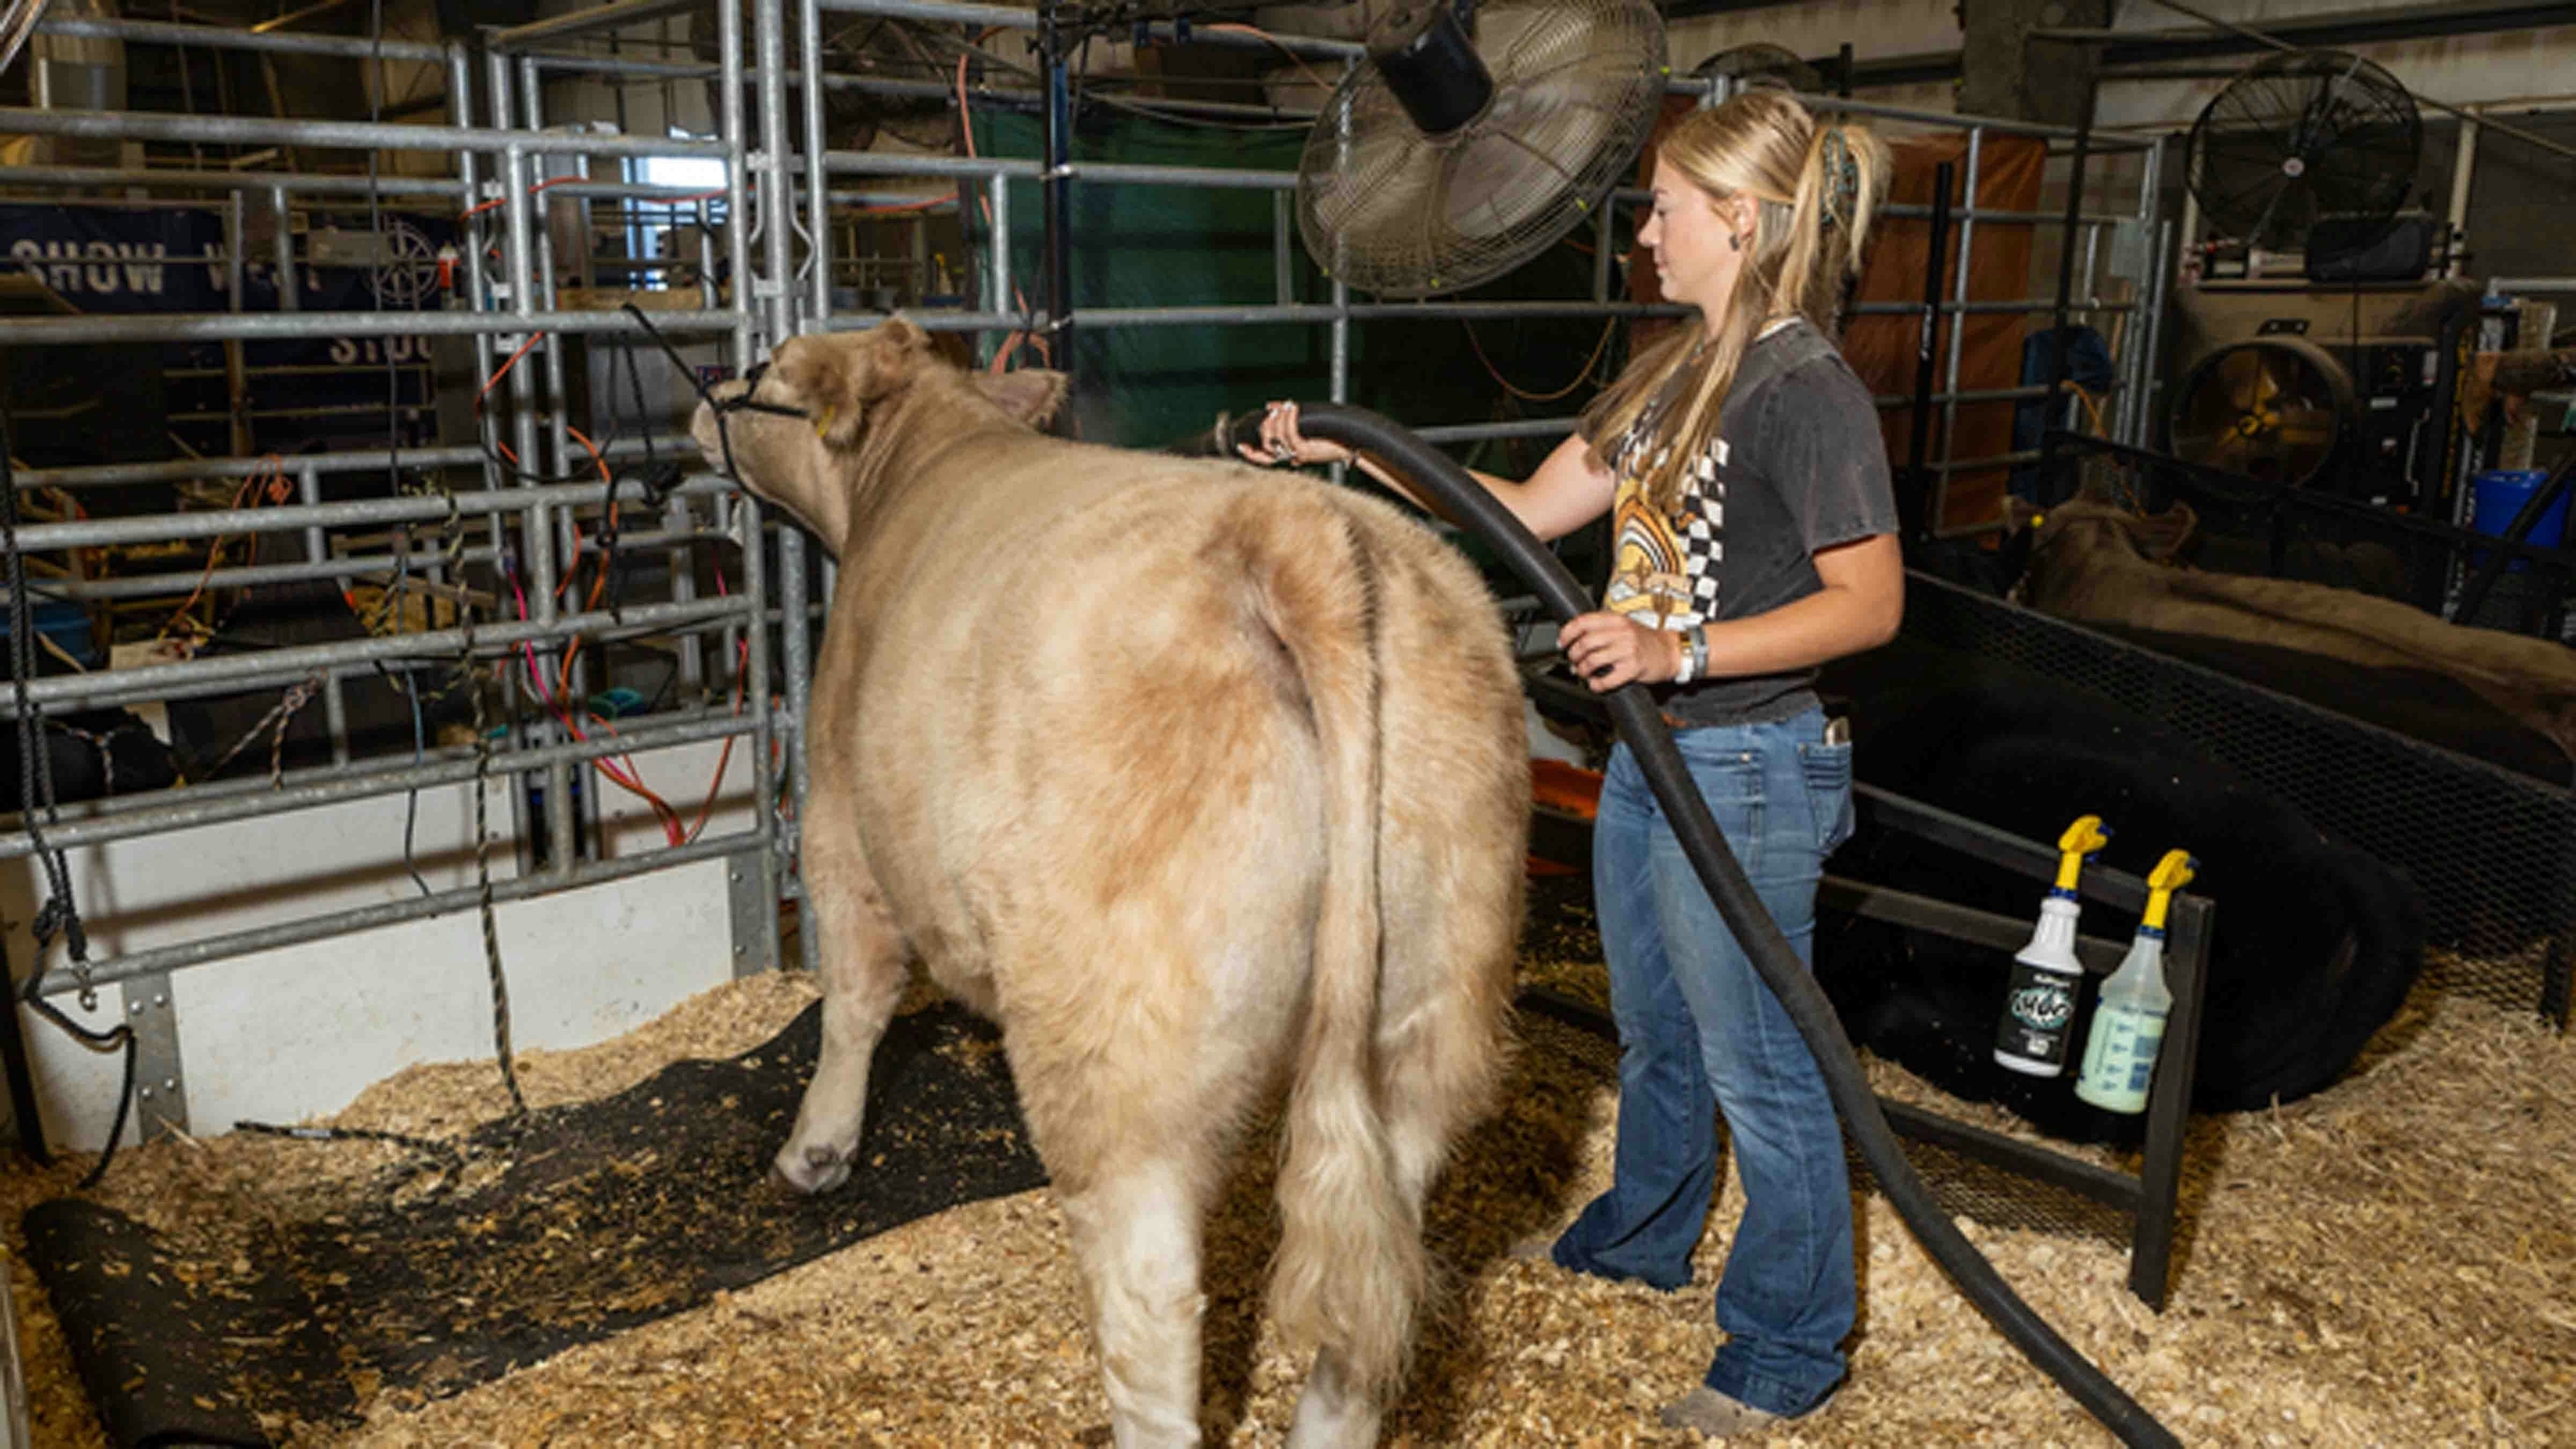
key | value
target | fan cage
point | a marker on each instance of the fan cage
(2301, 136)
(2274, 408)
(1394, 213)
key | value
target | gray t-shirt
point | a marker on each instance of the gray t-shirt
(1798, 466)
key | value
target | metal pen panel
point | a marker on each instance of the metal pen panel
(746, 512)
(818, 201)
(777, 210)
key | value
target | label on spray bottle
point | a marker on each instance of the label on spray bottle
(2120, 1058)
(2039, 1006)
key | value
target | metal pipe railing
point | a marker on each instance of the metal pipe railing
(217, 37)
(271, 326)
(355, 135)
(116, 969)
(216, 522)
(154, 681)
(337, 566)
(584, 22)
(190, 807)
(306, 184)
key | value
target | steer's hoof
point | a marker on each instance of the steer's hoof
(813, 1169)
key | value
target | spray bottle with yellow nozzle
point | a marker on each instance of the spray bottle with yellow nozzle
(2129, 1025)
(2040, 1004)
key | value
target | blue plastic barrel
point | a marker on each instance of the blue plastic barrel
(66, 624)
(2499, 493)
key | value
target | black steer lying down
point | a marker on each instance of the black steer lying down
(2316, 944)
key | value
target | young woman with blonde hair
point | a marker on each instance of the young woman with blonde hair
(1741, 462)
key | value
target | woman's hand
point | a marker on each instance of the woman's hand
(1608, 650)
(1282, 443)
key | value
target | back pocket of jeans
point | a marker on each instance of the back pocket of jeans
(1828, 772)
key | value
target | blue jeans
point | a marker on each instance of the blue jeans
(1701, 1033)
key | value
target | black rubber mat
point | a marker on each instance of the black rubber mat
(564, 1227)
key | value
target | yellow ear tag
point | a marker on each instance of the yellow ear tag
(823, 423)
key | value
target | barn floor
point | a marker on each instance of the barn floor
(2391, 1262)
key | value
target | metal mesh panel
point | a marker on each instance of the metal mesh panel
(1966, 1187)
(1963, 1185)
(2494, 852)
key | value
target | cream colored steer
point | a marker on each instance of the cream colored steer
(1202, 781)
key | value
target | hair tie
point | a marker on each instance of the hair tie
(1842, 175)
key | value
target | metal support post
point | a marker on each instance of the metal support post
(536, 533)
(745, 513)
(818, 200)
(1915, 505)
(998, 237)
(317, 549)
(1283, 225)
(679, 520)
(1958, 330)
(287, 298)
(2464, 165)
(1056, 186)
(1601, 242)
(236, 369)
(777, 217)
(2050, 493)
(565, 538)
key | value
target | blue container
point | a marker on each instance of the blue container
(2499, 493)
(66, 624)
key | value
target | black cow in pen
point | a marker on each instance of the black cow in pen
(2315, 943)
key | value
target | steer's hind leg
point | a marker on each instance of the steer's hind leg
(1136, 1233)
(863, 977)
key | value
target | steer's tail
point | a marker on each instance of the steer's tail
(1349, 1273)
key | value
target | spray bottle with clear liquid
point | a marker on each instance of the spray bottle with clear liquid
(2129, 1023)
(2040, 1003)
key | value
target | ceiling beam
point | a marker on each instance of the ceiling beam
(2382, 25)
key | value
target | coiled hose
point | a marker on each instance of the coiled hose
(1632, 710)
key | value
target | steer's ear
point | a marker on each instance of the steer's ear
(1031, 394)
(835, 378)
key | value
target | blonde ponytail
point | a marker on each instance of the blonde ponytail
(1818, 189)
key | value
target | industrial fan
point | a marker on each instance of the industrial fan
(1760, 63)
(1452, 157)
(2273, 408)
(2302, 136)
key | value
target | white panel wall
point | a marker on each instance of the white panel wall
(292, 1033)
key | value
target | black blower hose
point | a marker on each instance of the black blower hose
(1633, 710)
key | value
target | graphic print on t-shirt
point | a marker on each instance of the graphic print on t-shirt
(1664, 567)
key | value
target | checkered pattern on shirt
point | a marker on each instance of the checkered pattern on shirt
(1679, 554)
